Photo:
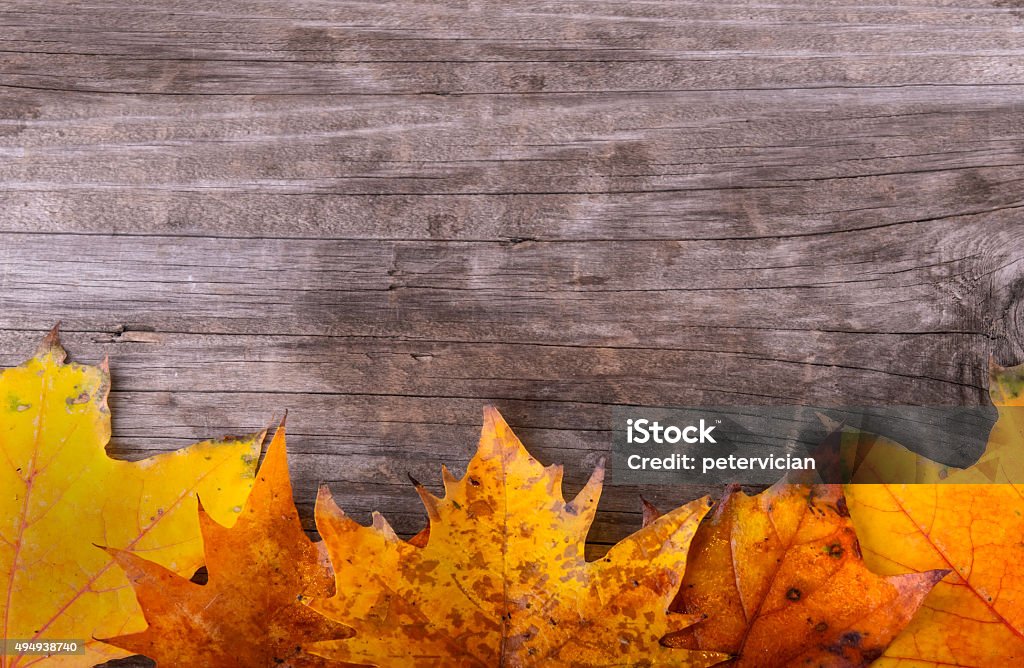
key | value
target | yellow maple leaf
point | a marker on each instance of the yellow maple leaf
(975, 616)
(60, 494)
(502, 580)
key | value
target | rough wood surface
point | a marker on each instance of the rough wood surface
(383, 215)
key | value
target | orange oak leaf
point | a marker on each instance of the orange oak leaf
(249, 613)
(501, 579)
(975, 617)
(60, 493)
(781, 578)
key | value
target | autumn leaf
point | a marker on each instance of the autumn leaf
(60, 493)
(249, 613)
(781, 578)
(502, 581)
(975, 617)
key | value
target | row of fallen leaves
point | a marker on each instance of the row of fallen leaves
(498, 578)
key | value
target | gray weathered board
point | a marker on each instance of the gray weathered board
(382, 215)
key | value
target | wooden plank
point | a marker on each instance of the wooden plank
(349, 48)
(690, 165)
(941, 282)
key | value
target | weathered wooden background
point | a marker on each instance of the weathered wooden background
(382, 215)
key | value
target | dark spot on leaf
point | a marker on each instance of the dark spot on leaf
(872, 654)
(835, 550)
(793, 594)
(821, 627)
(80, 399)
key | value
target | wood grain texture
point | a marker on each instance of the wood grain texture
(383, 215)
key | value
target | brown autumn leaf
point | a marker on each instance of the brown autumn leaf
(249, 614)
(781, 578)
(974, 618)
(501, 579)
(60, 493)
